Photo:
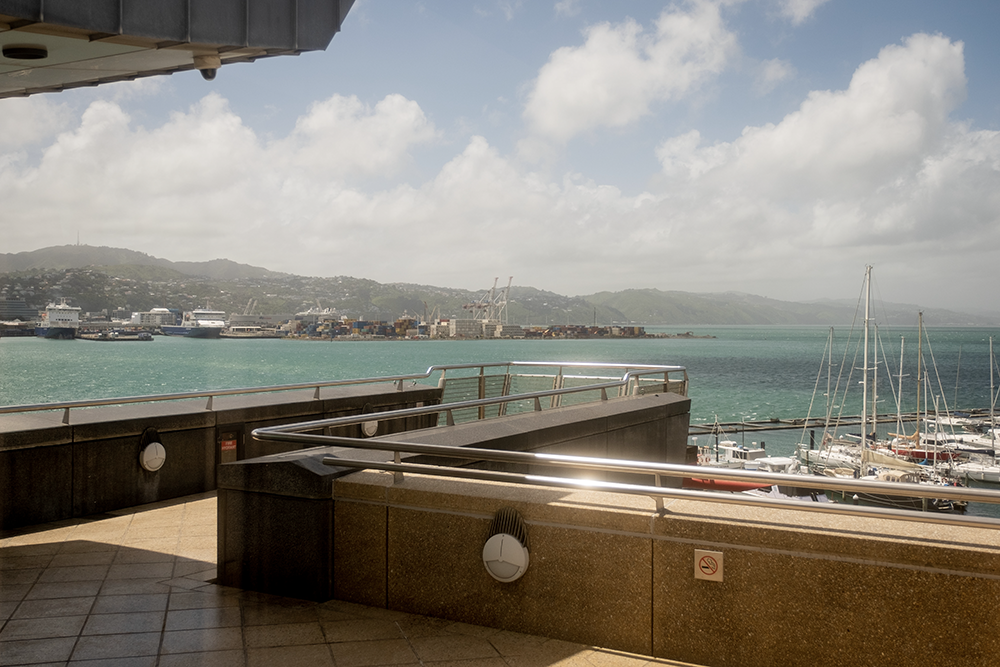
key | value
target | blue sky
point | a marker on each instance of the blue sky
(766, 146)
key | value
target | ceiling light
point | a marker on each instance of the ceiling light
(25, 52)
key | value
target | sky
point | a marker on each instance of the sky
(773, 147)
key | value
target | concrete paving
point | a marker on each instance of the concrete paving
(134, 588)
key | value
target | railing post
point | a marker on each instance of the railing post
(397, 477)
(208, 406)
(482, 391)
(451, 418)
(538, 404)
(65, 419)
(604, 394)
(557, 383)
(660, 509)
(316, 394)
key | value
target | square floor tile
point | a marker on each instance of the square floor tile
(211, 659)
(42, 628)
(453, 647)
(316, 655)
(30, 651)
(210, 617)
(116, 624)
(378, 652)
(67, 589)
(202, 639)
(55, 607)
(141, 570)
(285, 634)
(99, 647)
(118, 604)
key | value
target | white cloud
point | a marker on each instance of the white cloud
(567, 7)
(799, 11)
(28, 120)
(771, 73)
(622, 69)
(875, 169)
(341, 136)
(875, 173)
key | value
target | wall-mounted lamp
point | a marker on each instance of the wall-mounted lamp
(152, 453)
(505, 553)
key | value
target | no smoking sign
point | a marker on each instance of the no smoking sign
(708, 565)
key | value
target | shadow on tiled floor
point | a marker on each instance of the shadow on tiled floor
(135, 589)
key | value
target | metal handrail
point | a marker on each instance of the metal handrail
(291, 433)
(448, 408)
(399, 380)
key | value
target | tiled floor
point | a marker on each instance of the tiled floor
(133, 588)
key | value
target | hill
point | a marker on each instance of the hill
(101, 278)
(83, 256)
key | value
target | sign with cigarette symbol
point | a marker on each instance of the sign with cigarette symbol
(708, 565)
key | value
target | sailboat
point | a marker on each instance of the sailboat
(876, 466)
(983, 469)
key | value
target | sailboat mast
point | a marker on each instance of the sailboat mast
(993, 433)
(899, 389)
(920, 341)
(875, 381)
(864, 379)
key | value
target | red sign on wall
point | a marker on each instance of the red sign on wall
(229, 445)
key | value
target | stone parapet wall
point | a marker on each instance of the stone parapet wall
(51, 471)
(608, 570)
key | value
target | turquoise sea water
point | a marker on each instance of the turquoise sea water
(751, 373)
(743, 373)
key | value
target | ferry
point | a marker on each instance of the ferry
(198, 324)
(60, 321)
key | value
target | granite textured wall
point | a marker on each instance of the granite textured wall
(51, 471)
(606, 569)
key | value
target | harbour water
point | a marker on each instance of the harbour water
(742, 373)
(752, 373)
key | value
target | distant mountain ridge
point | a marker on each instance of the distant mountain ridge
(97, 278)
(82, 256)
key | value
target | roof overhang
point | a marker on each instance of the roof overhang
(52, 45)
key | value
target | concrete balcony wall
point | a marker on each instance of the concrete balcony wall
(51, 471)
(606, 569)
(260, 500)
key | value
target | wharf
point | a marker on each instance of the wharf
(776, 424)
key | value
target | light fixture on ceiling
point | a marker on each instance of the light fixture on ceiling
(208, 66)
(25, 51)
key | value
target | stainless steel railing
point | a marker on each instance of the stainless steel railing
(580, 464)
(634, 373)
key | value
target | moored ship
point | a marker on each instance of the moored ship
(202, 323)
(60, 321)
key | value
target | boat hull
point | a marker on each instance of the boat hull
(192, 332)
(56, 333)
(891, 501)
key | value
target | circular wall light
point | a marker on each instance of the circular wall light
(152, 453)
(25, 51)
(505, 553)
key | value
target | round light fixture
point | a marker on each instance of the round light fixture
(25, 51)
(152, 453)
(153, 456)
(505, 553)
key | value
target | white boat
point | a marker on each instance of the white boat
(872, 460)
(60, 321)
(200, 323)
